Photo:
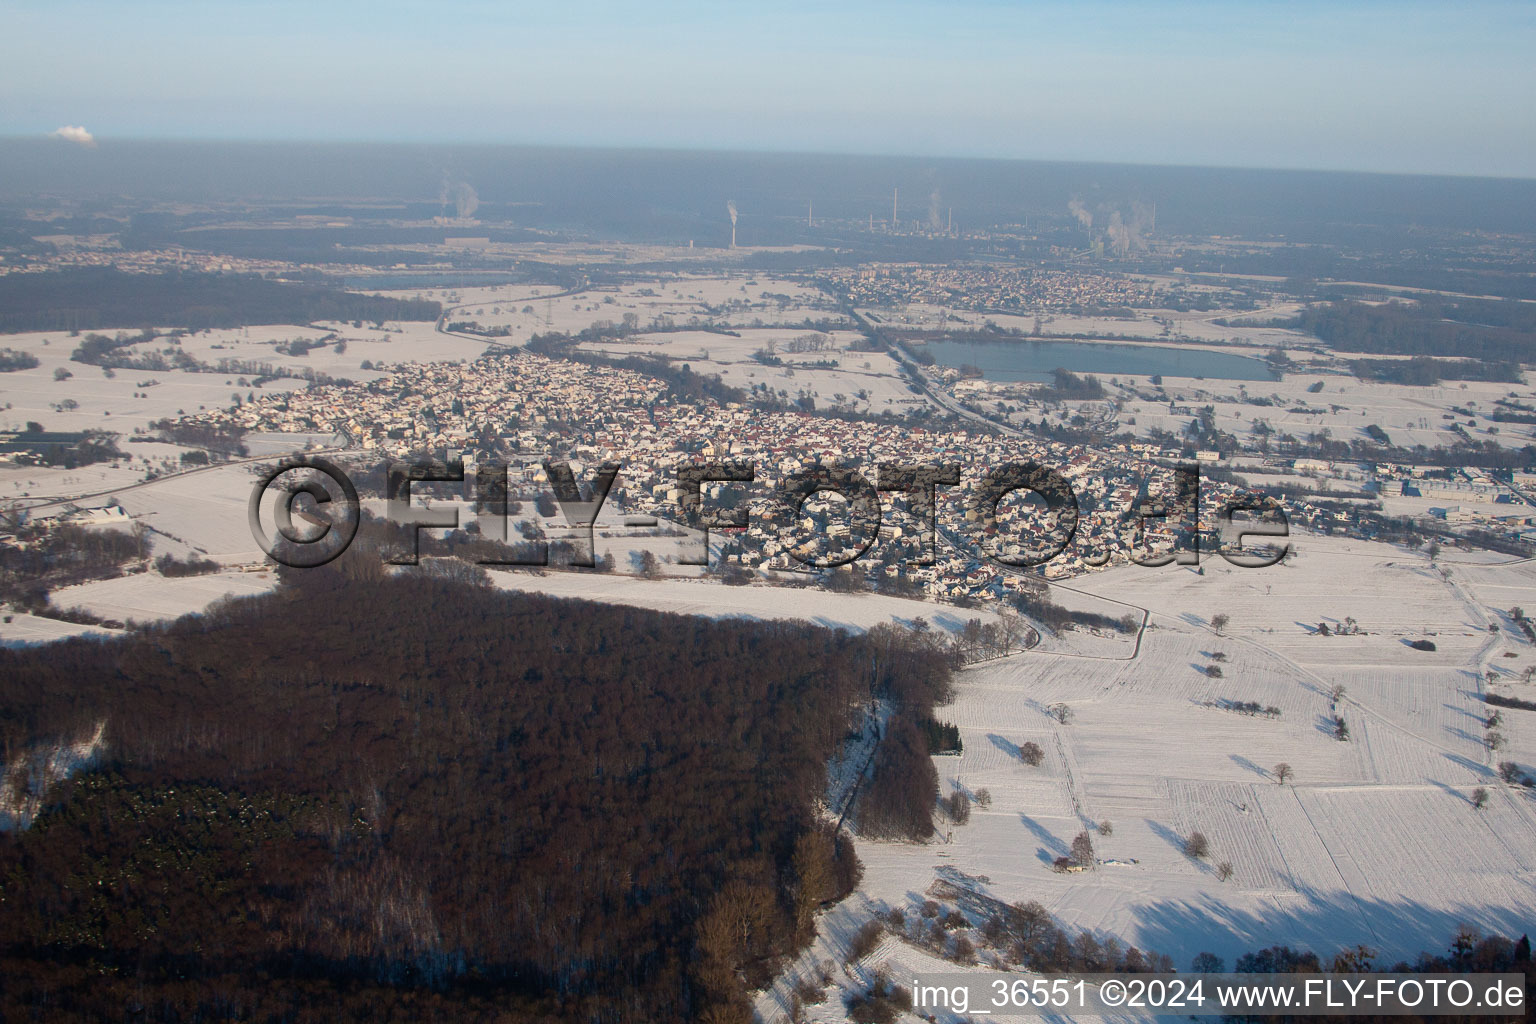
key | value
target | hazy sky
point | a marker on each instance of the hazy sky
(1434, 87)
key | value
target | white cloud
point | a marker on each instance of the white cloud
(75, 133)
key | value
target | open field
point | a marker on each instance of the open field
(128, 401)
(150, 597)
(862, 382)
(1344, 407)
(1341, 410)
(1374, 840)
(741, 299)
(1242, 334)
(761, 601)
(25, 630)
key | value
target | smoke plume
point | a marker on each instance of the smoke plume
(1124, 225)
(1081, 213)
(465, 201)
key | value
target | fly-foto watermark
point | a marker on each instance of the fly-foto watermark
(1015, 540)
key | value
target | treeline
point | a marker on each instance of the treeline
(172, 567)
(1469, 953)
(1312, 272)
(1499, 700)
(112, 352)
(384, 538)
(90, 298)
(101, 349)
(62, 448)
(1424, 371)
(899, 798)
(13, 359)
(943, 737)
(1484, 454)
(681, 381)
(1068, 386)
(413, 800)
(58, 557)
(897, 801)
(1493, 332)
(226, 439)
(1037, 604)
(475, 327)
(1025, 936)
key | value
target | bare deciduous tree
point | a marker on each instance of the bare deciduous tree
(1013, 628)
(1197, 846)
(1283, 772)
(1208, 963)
(1219, 622)
(1031, 754)
(1479, 797)
(958, 807)
(1082, 849)
(1358, 960)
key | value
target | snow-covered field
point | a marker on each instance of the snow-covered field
(132, 399)
(200, 513)
(1344, 407)
(1242, 332)
(395, 342)
(865, 382)
(24, 630)
(1373, 840)
(149, 597)
(128, 401)
(742, 299)
(757, 601)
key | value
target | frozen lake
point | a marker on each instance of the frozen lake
(1023, 359)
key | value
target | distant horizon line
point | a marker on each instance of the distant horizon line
(98, 142)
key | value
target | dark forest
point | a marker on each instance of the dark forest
(90, 298)
(422, 800)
